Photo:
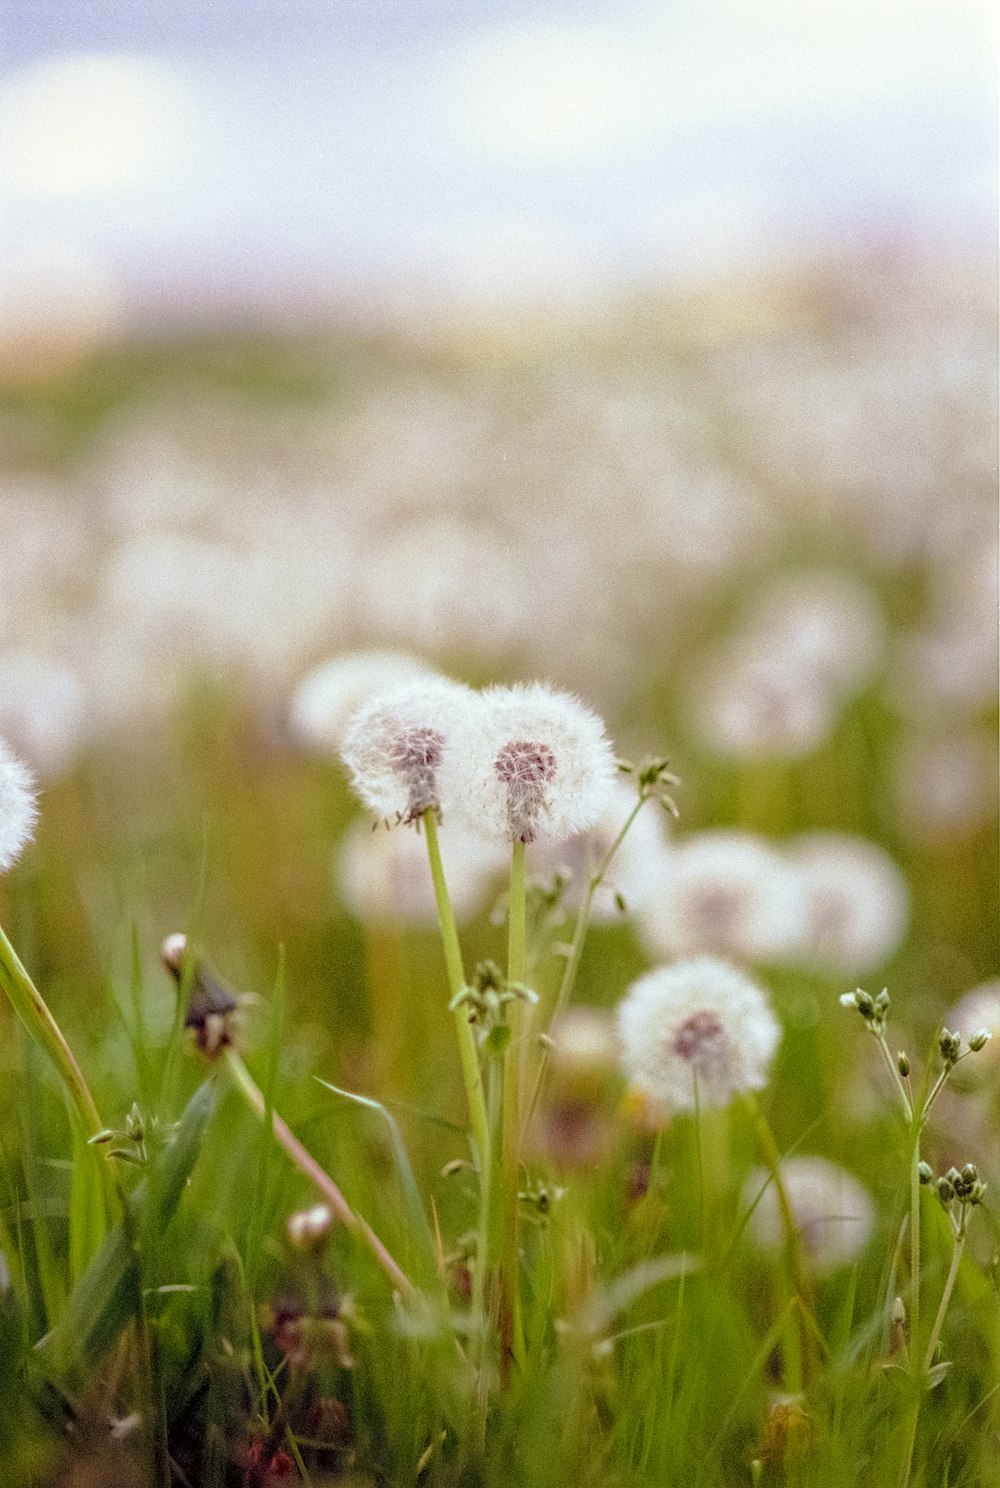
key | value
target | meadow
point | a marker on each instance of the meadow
(410, 1199)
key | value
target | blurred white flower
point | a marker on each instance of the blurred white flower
(821, 624)
(725, 892)
(700, 1023)
(834, 1213)
(18, 812)
(385, 878)
(945, 783)
(327, 697)
(746, 702)
(398, 741)
(583, 1051)
(42, 709)
(856, 903)
(531, 762)
(635, 869)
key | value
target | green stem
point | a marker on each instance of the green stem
(572, 967)
(800, 1277)
(307, 1165)
(511, 1336)
(32, 1009)
(956, 1259)
(915, 1244)
(471, 1073)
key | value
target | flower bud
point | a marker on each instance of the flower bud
(308, 1228)
(926, 1172)
(903, 1064)
(979, 1040)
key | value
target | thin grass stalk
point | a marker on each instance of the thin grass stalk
(571, 969)
(310, 1168)
(793, 1242)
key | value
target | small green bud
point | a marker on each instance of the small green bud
(865, 1004)
(945, 1192)
(978, 1193)
(979, 1040)
(926, 1172)
(950, 1046)
(903, 1064)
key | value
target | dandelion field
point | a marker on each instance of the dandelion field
(690, 1243)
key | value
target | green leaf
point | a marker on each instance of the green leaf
(107, 1295)
(414, 1204)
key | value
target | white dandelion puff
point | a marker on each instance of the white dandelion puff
(726, 893)
(700, 1030)
(396, 744)
(532, 763)
(17, 807)
(327, 698)
(833, 1212)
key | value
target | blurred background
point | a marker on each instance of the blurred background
(647, 348)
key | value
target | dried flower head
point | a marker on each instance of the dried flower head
(532, 763)
(726, 893)
(856, 903)
(327, 698)
(834, 1213)
(17, 808)
(385, 877)
(395, 745)
(699, 1023)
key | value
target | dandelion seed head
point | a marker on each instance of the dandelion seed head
(396, 743)
(700, 1025)
(727, 893)
(834, 1213)
(18, 811)
(327, 698)
(532, 763)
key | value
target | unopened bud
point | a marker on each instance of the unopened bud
(945, 1192)
(308, 1228)
(926, 1172)
(979, 1040)
(903, 1064)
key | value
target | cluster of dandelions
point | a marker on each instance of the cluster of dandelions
(515, 764)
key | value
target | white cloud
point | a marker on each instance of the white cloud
(91, 123)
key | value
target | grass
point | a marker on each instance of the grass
(183, 1341)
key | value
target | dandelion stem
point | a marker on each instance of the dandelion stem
(471, 1073)
(310, 1168)
(511, 1337)
(572, 967)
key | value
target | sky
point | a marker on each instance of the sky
(166, 156)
